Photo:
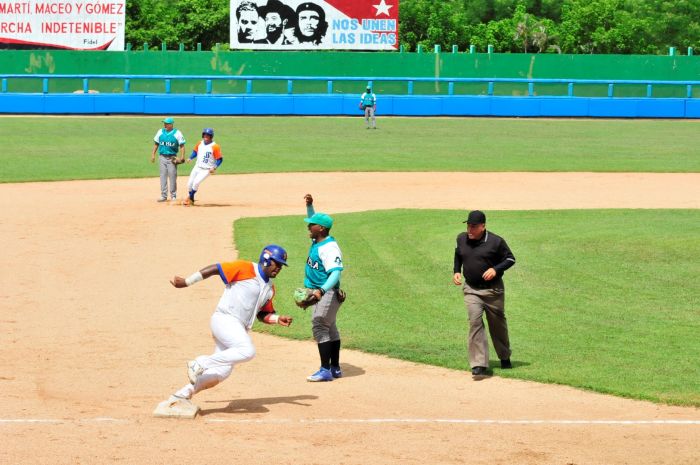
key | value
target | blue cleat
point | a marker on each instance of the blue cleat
(336, 372)
(323, 374)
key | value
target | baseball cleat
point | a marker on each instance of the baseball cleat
(479, 373)
(173, 399)
(336, 372)
(323, 374)
(194, 369)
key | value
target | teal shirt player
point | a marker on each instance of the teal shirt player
(168, 145)
(368, 99)
(324, 258)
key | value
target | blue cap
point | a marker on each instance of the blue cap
(169, 120)
(275, 253)
(320, 219)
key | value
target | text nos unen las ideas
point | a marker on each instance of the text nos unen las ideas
(365, 31)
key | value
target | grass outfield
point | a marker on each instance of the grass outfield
(60, 148)
(606, 301)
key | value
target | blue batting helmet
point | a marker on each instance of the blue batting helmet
(275, 253)
(208, 131)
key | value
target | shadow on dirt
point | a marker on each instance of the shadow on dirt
(257, 405)
(351, 370)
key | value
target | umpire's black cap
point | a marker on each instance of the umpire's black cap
(476, 217)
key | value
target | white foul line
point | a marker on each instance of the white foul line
(458, 421)
(312, 421)
(52, 421)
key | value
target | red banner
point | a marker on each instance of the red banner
(317, 24)
(66, 24)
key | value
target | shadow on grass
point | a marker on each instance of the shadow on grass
(516, 364)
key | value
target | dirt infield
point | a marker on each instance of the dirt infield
(92, 337)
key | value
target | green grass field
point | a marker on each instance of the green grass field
(62, 148)
(609, 302)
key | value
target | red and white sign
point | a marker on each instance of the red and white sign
(67, 24)
(315, 24)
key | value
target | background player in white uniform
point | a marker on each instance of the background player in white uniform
(322, 273)
(208, 155)
(248, 294)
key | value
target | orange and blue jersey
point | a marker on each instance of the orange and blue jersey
(248, 291)
(208, 155)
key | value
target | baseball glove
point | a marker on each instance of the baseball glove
(178, 161)
(304, 297)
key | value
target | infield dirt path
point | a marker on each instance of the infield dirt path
(92, 337)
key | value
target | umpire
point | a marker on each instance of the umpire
(482, 257)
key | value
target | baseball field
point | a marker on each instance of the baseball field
(603, 304)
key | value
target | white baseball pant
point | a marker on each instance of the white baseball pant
(233, 346)
(197, 176)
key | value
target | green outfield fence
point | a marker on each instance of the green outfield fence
(348, 64)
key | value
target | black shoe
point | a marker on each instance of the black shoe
(506, 363)
(480, 373)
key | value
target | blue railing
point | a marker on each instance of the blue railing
(207, 87)
(339, 96)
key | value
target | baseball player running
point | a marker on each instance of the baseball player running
(323, 267)
(208, 155)
(248, 294)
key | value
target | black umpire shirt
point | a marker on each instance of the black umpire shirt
(474, 257)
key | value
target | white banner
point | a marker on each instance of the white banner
(317, 24)
(68, 24)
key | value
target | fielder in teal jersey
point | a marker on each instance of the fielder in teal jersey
(323, 268)
(368, 103)
(167, 142)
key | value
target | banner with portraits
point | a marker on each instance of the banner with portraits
(316, 24)
(68, 24)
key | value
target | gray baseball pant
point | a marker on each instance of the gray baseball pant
(323, 319)
(369, 115)
(168, 172)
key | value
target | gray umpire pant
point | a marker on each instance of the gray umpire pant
(491, 302)
(323, 319)
(168, 172)
(369, 115)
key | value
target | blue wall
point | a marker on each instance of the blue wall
(324, 104)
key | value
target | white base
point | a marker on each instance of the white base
(177, 409)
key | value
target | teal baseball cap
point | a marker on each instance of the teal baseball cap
(169, 120)
(320, 219)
